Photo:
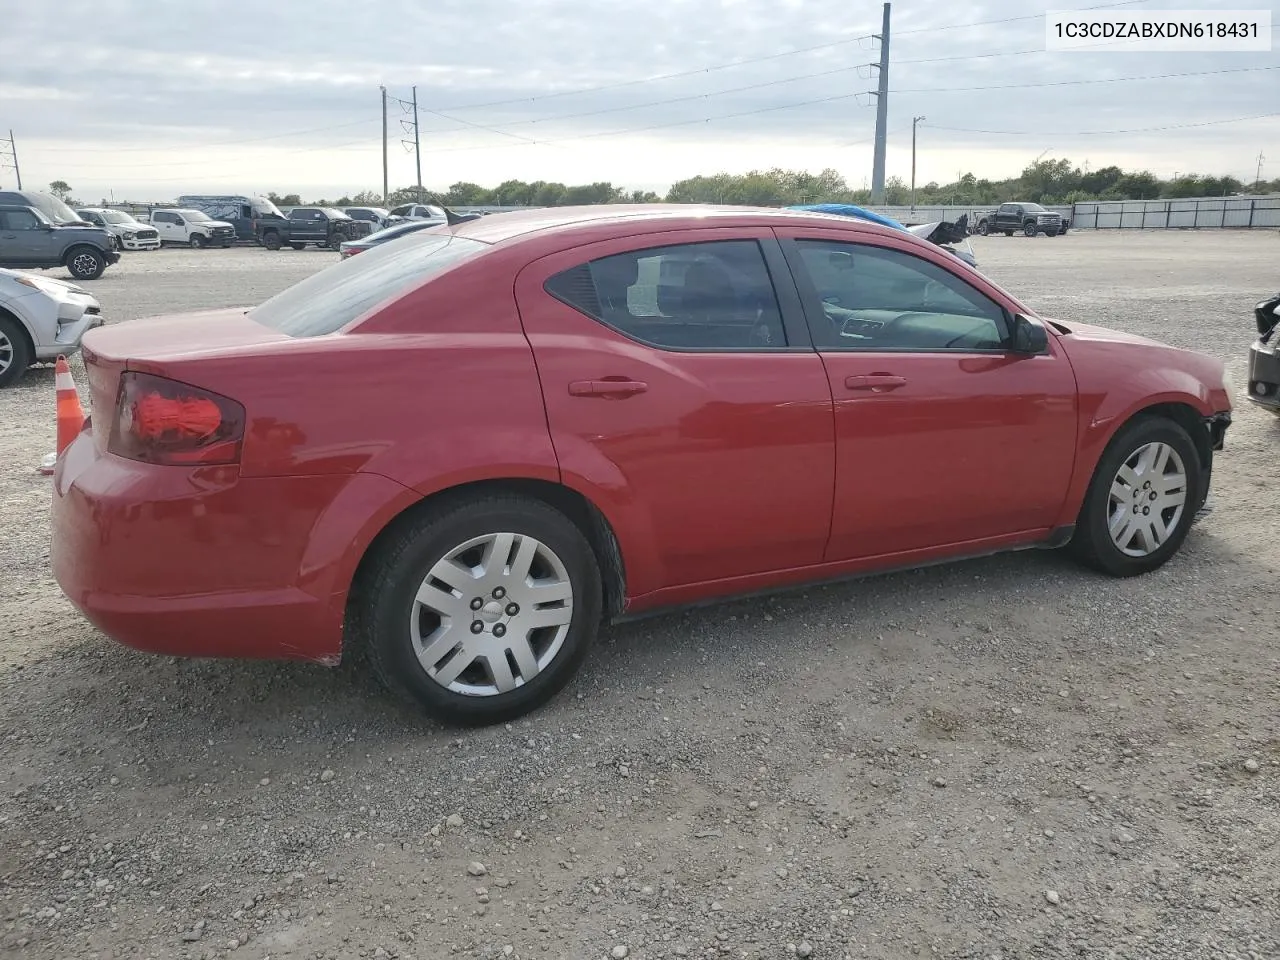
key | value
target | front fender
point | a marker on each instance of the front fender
(1104, 414)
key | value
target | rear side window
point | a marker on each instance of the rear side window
(698, 296)
(329, 300)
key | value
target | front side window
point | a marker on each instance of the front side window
(21, 220)
(874, 298)
(329, 300)
(697, 296)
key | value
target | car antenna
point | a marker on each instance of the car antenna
(453, 219)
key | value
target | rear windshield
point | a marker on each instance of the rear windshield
(327, 301)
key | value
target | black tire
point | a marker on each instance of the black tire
(1030, 229)
(15, 351)
(85, 263)
(389, 582)
(1092, 543)
(298, 246)
(1062, 232)
(984, 228)
(271, 240)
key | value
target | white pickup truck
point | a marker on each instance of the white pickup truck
(192, 228)
(126, 232)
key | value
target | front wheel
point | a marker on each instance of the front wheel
(86, 263)
(480, 611)
(1030, 229)
(984, 228)
(15, 354)
(271, 240)
(1143, 497)
(198, 241)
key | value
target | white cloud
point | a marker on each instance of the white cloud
(202, 95)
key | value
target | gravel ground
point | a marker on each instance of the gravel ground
(1004, 758)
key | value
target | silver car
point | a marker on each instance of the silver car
(40, 318)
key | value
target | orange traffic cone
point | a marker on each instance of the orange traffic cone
(70, 413)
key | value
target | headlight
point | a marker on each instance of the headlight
(130, 235)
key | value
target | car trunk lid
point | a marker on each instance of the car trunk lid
(160, 345)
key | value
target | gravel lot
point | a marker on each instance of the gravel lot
(1003, 758)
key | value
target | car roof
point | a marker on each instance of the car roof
(513, 225)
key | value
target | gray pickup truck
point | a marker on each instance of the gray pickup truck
(39, 230)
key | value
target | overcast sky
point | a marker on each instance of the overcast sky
(147, 99)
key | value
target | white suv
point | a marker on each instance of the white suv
(126, 232)
(40, 317)
(193, 228)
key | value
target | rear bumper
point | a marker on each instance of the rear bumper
(202, 562)
(1264, 374)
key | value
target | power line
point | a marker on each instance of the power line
(1085, 82)
(713, 68)
(1099, 133)
(223, 143)
(779, 107)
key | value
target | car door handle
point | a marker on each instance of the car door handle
(607, 388)
(875, 381)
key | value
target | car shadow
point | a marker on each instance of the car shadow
(95, 692)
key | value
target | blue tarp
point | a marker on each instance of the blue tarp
(849, 210)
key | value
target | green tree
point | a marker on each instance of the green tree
(61, 189)
(288, 200)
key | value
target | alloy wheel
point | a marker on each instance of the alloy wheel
(492, 614)
(1148, 498)
(84, 264)
(6, 352)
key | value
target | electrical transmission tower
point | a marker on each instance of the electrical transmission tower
(882, 111)
(411, 126)
(9, 158)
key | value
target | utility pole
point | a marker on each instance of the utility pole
(411, 106)
(882, 113)
(914, 121)
(1257, 177)
(417, 149)
(9, 157)
(385, 189)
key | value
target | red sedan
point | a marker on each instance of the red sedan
(464, 449)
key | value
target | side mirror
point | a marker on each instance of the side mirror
(1027, 336)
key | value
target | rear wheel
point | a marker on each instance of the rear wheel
(480, 611)
(984, 228)
(1143, 497)
(15, 353)
(85, 263)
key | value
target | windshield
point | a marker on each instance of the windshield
(195, 215)
(329, 300)
(54, 209)
(266, 208)
(335, 214)
(116, 216)
(1033, 208)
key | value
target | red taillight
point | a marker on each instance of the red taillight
(163, 421)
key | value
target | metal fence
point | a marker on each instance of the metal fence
(1238, 212)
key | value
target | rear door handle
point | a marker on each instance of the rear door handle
(875, 381)
(607, 388)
